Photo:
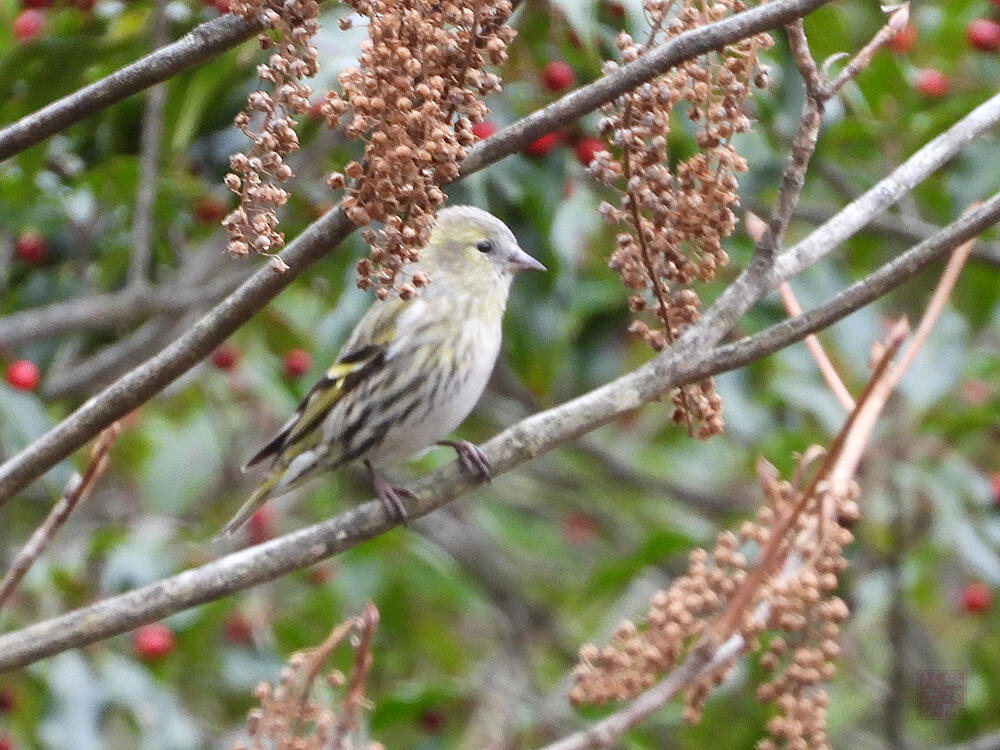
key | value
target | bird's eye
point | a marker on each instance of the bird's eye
(484, 246)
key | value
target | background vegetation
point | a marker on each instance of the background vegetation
(484, 604)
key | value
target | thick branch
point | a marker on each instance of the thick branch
(323, 235)
(529, 438)
(200, 44)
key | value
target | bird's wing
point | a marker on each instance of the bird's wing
(364, 354)
(339, 380)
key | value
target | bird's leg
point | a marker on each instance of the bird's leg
(390, 494)
(471, 457)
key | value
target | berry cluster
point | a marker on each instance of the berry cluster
(982, 34)
(805, 538)
(268, 123)
(676, 219)
(415, 99)
(294, 364)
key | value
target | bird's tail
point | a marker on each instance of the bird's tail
(256, 499)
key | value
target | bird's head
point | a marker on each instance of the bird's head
(473, 245)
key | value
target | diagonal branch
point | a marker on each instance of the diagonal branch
(200, 44)
(326, 233)
(79, 487)
(531, 437)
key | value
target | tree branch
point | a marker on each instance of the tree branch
(104, 312)
(200, 44)
(324, 234)
(149, 162)
(531, 437)
(860, 293)
(77, 490)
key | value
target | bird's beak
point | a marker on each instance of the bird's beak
(521, 261)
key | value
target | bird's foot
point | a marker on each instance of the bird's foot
(390, 494)
(471, 457)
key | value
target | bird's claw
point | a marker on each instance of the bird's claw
(471, 457)
(390, 494)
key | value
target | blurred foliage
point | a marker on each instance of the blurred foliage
(590, 529)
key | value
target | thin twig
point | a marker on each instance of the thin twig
(803, 146)
(354, 698)
(77, 490)
(898, 19)
(885, 386)
(149, 161)
(823, 362)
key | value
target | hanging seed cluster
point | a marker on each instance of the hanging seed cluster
(414, 99)
(289, 716)
(791, 621)
(675, 219)
(267, 122)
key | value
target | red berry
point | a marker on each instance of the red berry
(320, 575)
(296, 363)
(995, 482)
(983, 34)
(432, 720)
(208, 210)
(483, 129)
(586, 148)
(904, 39)
(932, 83)
(615, 10)
(976, 597)
(558, 76)
(542, 146)
(225, 357)
(153, 641)
(8, 700)
(23, 374)
(30, 248)
(260, 526)
(28, 24)
(578, 528)
(237, 629)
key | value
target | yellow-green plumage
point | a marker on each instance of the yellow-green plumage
(412, 369)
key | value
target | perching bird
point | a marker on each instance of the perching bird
(411, 370)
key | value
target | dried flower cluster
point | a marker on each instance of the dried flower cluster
(290, 718)
(414, 99)
(677, 218)
(785, 600)
(268, 123)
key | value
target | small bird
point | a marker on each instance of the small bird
(410, 372)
